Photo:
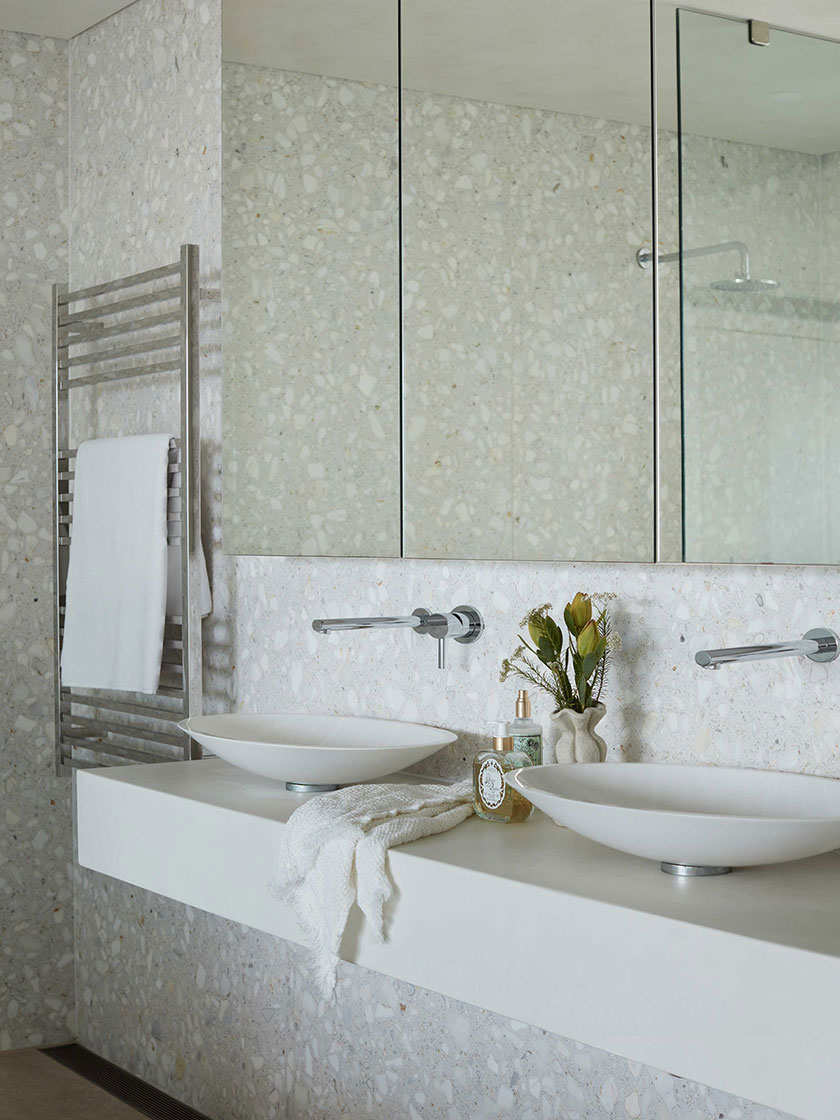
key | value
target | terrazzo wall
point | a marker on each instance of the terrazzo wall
(227, 1018)
(311, 233)
(528, 383)
(36, 920)
(230, 1020)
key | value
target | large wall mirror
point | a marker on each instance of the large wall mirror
(438, 339)
(519, 422)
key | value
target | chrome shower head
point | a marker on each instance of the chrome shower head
(744, 284)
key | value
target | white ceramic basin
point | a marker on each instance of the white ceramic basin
(690, 817)
(322, 751)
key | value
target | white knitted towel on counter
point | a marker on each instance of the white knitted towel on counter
(334, 852)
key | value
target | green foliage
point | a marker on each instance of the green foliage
(572, 669)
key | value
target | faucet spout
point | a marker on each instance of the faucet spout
(328, 625)
(464, 624)
(817, 645)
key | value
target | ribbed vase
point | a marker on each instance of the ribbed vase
(577, 740)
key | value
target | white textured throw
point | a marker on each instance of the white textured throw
(334, 850)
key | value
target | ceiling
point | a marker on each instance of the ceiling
(576, 56)
(60, 19)
(540, 53)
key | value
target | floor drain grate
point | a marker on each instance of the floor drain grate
(145, 1098)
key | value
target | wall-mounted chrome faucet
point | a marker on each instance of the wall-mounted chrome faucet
(464, 624)
(817, 645)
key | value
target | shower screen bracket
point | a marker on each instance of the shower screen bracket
(759, 32)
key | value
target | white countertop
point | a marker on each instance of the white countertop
(732, 981)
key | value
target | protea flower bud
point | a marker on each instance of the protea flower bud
(578, 613)
(588, 639)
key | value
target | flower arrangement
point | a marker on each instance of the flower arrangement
(571, 669)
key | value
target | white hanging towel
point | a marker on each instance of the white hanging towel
(173, 582)
(333, 853)
(117, 573)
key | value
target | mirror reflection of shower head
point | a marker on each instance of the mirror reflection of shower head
(743, 282)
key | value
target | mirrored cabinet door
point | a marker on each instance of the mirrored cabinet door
(526, 172)
(759, 145)
(311, 278)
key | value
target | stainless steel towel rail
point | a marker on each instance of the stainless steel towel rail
(131, 328)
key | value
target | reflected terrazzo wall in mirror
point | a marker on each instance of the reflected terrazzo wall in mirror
(311, 314)
(36, 919)
(759, 397)
(529, 423)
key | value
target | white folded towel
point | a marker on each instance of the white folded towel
(333, 853)
(118, 574)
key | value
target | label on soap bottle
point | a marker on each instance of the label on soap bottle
(491, 783)
(530, 745)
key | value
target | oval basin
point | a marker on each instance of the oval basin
(316, 750)
(690, 816)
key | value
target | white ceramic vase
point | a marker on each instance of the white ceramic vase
(577, 740)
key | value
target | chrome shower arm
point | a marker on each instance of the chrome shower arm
(644, 257)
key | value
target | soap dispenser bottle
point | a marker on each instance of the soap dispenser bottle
(526, 732)
(493, 799)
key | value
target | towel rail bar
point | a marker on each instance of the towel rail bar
(107, 704)
(167, 690)
(169, 366)
(117, 307)
(64, 536)
(128, 351)
(128, 727)
(71, 763)
(95, 331)
(76, 723)
(132, 281)
(107, 747)
(65, 453)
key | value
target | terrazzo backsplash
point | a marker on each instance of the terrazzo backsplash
(225, 1017)
(661, 706)
(36, 919)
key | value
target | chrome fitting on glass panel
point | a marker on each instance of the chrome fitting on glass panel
(817, 645)
(464, 624)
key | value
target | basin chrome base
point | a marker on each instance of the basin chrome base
(692, 871)
(307, 787)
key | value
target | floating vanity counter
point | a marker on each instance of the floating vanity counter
(733, 981)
